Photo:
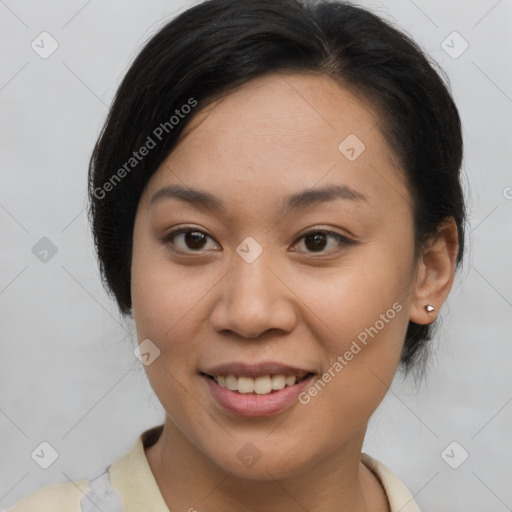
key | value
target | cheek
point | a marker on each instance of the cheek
(361, 317)
(170, 308)
(163, 310)
(163, 294)
(350, 299)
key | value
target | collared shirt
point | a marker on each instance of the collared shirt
(128, 485)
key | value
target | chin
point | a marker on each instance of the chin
(262, 460)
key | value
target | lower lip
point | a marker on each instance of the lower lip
(253, 405)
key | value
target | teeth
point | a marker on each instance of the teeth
(278, 381)
(245, 384)
(231, 383)
(290, 380)
(260, 385)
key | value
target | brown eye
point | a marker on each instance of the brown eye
(194, 239)
(187, 239)
(317, 241)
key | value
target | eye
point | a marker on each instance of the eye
(193, 239)
(317, 240)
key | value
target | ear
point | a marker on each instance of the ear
(435, 273)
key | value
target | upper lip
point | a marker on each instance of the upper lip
(240, 369)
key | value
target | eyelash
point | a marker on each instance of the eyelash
(168, 239)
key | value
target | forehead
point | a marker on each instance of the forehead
(286, 131)
(290, 105)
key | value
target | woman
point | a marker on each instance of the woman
(275, 198)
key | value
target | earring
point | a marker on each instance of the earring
(430, 308)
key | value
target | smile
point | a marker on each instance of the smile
(256, 390)
(260, 385)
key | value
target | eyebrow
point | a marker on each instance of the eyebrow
(302, 199)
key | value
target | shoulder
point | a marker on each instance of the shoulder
(129, 478)
(399, 496)
(60, 497)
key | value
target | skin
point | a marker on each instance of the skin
(202, 306)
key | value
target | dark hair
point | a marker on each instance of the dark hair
(217, 45)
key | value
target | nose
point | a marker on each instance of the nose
(255, 298)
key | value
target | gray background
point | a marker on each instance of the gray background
(68, 375)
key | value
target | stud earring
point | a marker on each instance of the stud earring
(430, 308)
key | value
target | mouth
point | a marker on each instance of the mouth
(257, 390)
(260, 385)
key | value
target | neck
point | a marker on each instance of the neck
(188, 479)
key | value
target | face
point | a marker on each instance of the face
(299, 268)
